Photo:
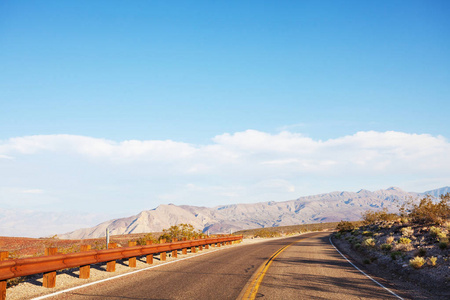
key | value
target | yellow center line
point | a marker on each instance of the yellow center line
(252, 289)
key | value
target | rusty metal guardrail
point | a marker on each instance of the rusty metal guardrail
(51, 263)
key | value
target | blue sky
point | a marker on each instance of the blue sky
(204, 78)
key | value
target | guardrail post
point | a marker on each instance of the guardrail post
(184, 250)
(49, 279)
(3, 256)
(85, 271)
(175, 252)
(111, 265)
(193, 249)
(150, 256)
(207, 246)
(132, 260)
(162, 256)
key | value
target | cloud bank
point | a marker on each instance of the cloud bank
(68, 172)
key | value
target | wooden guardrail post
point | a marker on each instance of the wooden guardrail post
(49, 279)
(184, 250)
(150, 256)
(193, 249)
(132, 260)
(3, 256)
(111, 265)
(85, 271)
(162, 255)
(175, 252)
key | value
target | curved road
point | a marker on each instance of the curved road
(309, 268)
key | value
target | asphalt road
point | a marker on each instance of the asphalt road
(313, 269)
(308, 269)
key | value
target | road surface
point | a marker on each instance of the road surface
(310, 268)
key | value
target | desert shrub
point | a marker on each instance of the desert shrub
(422, 252)
(442, 236)
(404, 240)
(395, 254)
(367, 233)
(427, 212)
(370, 242)
(143, 240)
(357, 246)
(403, 247)
(179, 231)
(338, 235)
(264, 233)
(432, 261)
(386, 247)
(417, 262)
(345, 226)
(389, 239)
(443, 245)
(373, 217)
(434, 231)
(366, 261)
(407, 231)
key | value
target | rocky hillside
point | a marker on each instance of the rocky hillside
(330, 207)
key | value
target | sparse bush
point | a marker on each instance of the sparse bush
(395, 254)
(179, 231)
(143, 240)
(367, 233)
(373, 217)
(407, 231)
(357, 246)
(404, 240)
(403, 247)
(386, 247)
(370, 242)
(338, 235)
(432, 261)
(264, 233)
(417, 262)
(443, 245)
(422, 252)
(435, 231)
(427, 212)
(366, 261)
(345, 226)
(441, 236)
(389, 239)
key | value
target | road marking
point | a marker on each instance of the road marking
(126, 274)
(363, 271)
(252, 289)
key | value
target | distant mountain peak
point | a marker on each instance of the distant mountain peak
(393, 188)
(328, 207)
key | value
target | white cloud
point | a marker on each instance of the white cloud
(244, 166)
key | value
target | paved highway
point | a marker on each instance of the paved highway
(308, 268)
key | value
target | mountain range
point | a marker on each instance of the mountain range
(329, 207)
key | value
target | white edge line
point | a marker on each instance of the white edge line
(363, 272)
(125, 274)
